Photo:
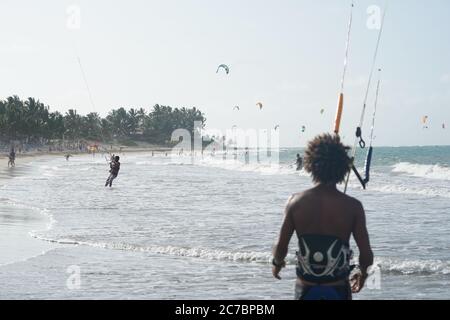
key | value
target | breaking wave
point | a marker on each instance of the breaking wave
(423, 170)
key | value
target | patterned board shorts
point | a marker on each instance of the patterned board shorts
(341, 292)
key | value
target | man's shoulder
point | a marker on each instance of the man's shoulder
(353, 206)
(298, 198)
(352, 201)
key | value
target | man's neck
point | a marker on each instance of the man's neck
(328, 187)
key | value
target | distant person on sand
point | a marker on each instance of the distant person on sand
(299, 162)
(12, 158)
(114, 171)
(324, 219)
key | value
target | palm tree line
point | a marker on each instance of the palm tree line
(31, 122)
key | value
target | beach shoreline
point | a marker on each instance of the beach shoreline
(19, 221)
(115, 149)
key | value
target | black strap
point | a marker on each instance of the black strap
(362, 143)
(359, 177)
(368, 163)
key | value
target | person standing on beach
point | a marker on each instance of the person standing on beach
(324, 219)
(114, 171)
(12, 158)
(299, 163)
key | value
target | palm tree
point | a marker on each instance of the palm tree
(132, 122)
(55, 126)
(118, 119)
(14, 115)
(92, 126)
(32, 121)
(72, 123)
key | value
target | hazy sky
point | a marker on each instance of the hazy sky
(286, 54)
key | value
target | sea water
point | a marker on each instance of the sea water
(174, 227)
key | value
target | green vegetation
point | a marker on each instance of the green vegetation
(31, 121)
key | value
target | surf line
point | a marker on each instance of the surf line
(358, 139)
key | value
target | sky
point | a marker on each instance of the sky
(287, 54)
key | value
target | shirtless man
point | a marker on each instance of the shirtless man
(324, 219)
(114, 170)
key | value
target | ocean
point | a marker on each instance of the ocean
(173, 228)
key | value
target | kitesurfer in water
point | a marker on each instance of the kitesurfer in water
(114, 171)
(299, 163)
(324, 219)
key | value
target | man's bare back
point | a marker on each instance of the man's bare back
(324, 211)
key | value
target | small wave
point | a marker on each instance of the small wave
(203, 253)
(386, 265)
(412, 267)
(44, 212)
(423, 170)
(50, 224)
(263, 167)
(47, 167)
(423, 191)
(57, 241)
(209, 254)
(144, 163)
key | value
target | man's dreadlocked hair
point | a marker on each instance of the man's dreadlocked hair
(326, 158)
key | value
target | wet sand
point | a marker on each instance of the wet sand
(17, 222)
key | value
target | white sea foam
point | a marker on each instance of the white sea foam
(411, 267)
(423, 170)
(44, 212)
(263, 168)
(203, 253)
(411, 189)
(387, 265)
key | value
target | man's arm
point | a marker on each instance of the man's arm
(361, 236)
(281, 248)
